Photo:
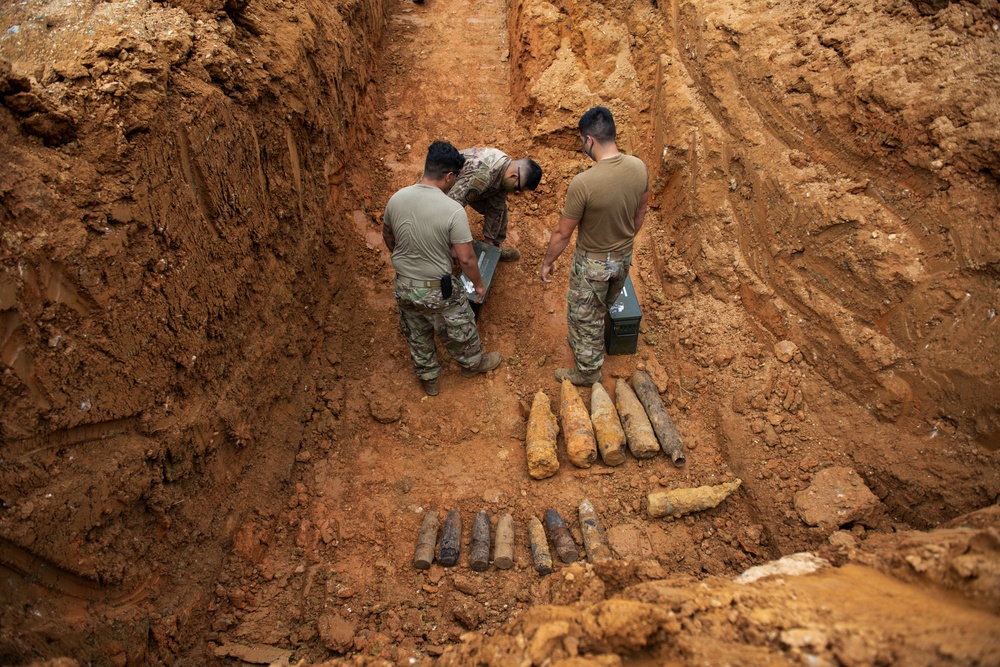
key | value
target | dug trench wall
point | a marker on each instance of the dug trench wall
(831, 166)
(176, 256)
(170, 192)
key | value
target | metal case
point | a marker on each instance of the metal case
(621, 325)
(488, 257)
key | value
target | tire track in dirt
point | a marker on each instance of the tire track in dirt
(36, 570)
(757, 243)
(763, 208)
(71, 437)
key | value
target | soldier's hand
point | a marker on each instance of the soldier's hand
(546, 272)
(480, 293)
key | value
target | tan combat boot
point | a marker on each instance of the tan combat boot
(509, 254)
(579, 378)
(487, 363)
(430, 386)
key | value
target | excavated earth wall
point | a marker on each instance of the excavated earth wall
(178, 262)
(169, 188)
(832, 166)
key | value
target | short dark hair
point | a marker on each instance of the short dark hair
(442, 157)
(533, 177)
(599, 124)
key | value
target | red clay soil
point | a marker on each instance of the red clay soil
(213, 449)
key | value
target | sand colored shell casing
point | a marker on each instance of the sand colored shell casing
(560, 536)
(581, 445)
(607, 427)
(540, 442)
(451, 539)
(638, 431)
(659, 418)
(479, 553)
(594, 540)
(679, 502)
(503, 550)
(539, 547)
(426, 540)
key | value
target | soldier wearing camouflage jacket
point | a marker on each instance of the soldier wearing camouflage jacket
(488, 176)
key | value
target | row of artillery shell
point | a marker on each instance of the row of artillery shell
(594, 540)
(450, 545)
(637, 418)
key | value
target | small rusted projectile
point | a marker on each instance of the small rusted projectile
(593, 533)
(426, 541)
(539, 547)
(561, 538)
(451, 539)
(479, 554)
(503, 551)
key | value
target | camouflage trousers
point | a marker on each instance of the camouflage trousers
(494, 210)
(424, 312)
(593, 287)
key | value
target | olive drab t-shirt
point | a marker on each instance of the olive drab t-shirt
(425, 223)
(605, 199)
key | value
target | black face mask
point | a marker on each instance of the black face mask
(589, 151)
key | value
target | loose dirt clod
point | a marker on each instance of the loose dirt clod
(659, 419)
(679, 502)
(607, 427)
(581, 446)
(540, 442)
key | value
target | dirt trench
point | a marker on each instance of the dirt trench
(213, 448)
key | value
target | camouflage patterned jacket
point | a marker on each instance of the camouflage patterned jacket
(481, 177)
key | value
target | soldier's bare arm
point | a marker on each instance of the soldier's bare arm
(560, 238)
(640, 213)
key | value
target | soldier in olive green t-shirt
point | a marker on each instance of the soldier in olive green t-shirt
(607, 203)
(422, 227)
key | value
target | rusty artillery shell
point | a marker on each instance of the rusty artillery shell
(503, 551)
(479, 554)
(593, 533)
(659, 419)
(559, 533)
(638, 431)
(581, 446)
(451, 539)
(607, 427)
(426, 540)
(540, 442)
(539, 547)
(679, 502)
